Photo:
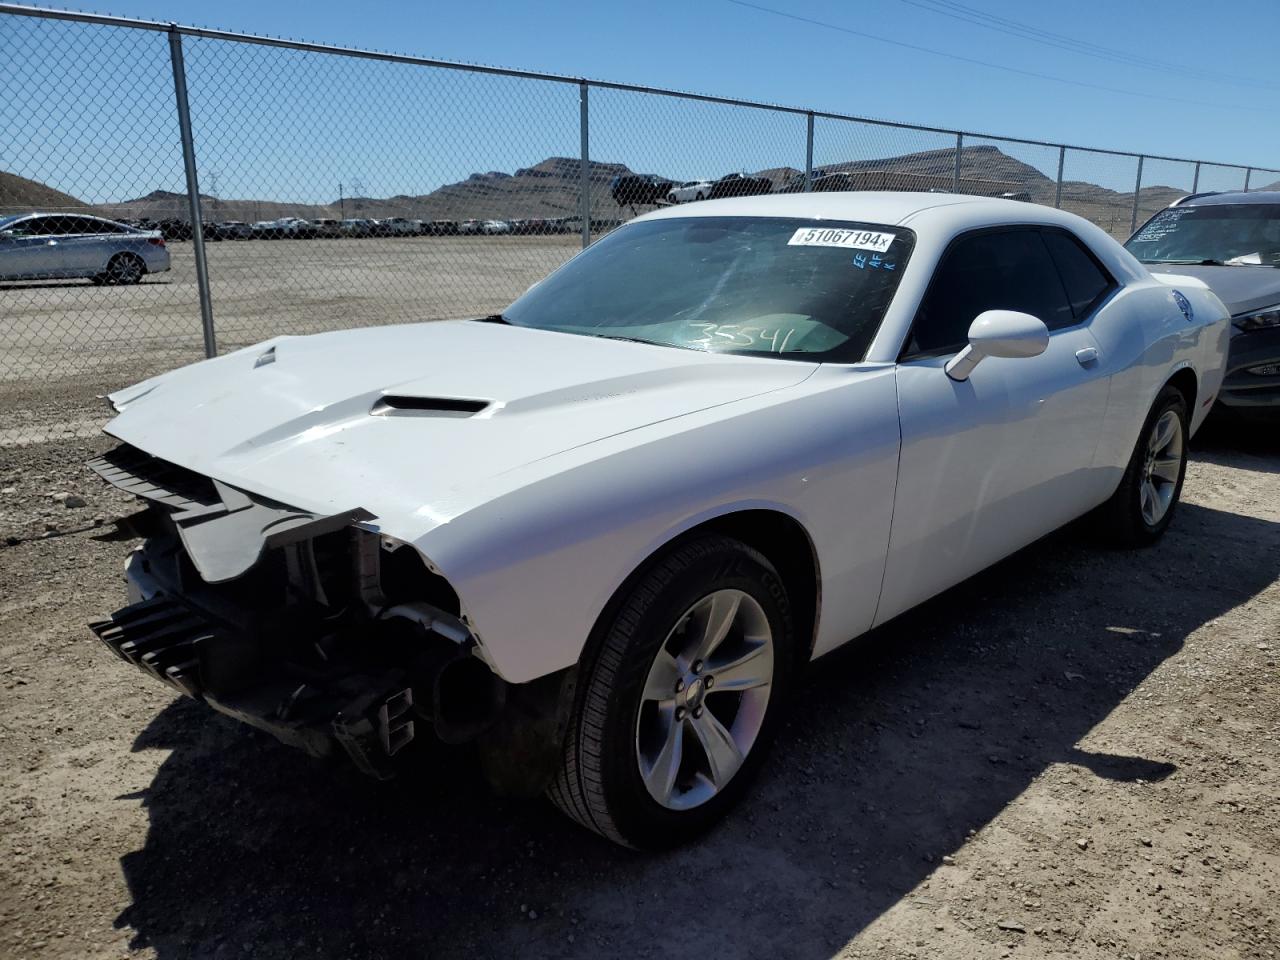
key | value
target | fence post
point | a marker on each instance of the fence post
(1248, 172)
(1062, 160)
(1137, 186)
(955, 174)
(193, 190)
(1195, 180)
(808, 154)
(584, 185)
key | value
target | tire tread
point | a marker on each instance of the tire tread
(578, 788)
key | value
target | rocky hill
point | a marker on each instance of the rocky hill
(163, 204)
(20, 195)
(550, 189)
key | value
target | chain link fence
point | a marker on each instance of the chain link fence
(257, 187)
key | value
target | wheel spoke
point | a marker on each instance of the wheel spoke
(753, 668)
(1148, 497)
(1167, 468)
(716, 616)
(661, 774)
(1163, 433)
(723, 756)
(661, 683)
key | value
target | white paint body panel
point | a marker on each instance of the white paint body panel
(594, 453)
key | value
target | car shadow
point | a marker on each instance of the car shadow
(76, 283)
(897, 749)
(1244, 445)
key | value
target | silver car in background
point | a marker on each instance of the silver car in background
(45, 246)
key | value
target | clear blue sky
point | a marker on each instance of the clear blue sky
(1201, 87)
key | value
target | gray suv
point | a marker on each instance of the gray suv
(40, 246)
(1231, 241)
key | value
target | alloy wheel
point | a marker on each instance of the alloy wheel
(1162, 467)
(704, 699)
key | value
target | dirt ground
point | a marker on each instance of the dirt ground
(1075, 754)
(67, 340)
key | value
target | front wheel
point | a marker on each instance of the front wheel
(679, 701)
(1142, 507)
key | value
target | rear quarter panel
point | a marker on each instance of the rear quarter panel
(1145, 338)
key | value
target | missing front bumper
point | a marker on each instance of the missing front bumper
(367, 714)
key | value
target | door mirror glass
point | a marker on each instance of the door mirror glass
(999, 333)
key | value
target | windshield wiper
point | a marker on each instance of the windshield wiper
(618, 336)
(494, 318)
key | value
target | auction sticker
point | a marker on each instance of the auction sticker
(836, 237)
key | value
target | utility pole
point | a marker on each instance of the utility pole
(342, 206)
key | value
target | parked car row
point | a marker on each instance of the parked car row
(644, 188)
(296, 228)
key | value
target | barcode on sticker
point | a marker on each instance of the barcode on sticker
(835, 237)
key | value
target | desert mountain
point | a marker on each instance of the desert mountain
(20, 195)
(551, 189)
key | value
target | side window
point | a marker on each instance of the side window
(60, 226)
(72, 225)
(33, 227)
(1085, 279)
(1000, 270)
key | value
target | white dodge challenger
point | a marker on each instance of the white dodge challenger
(597, 535)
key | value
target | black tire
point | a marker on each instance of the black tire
(599, 783)
(1121, 518)
(124, 269)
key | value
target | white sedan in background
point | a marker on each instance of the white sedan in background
(599, 534)
(690, 190)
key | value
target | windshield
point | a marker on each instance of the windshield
(787, 287)
(6, 221)
(1237, 234)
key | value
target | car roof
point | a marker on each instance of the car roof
(78, 214)
(1268, 197)
(876, 206)
(935, 217)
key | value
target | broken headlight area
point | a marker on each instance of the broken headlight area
(329, 636)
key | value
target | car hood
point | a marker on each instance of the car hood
(1241, 288)
(306, 420)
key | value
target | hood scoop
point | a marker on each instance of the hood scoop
(394, 405)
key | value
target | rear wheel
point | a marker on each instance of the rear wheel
(679, 703)
(123, 268)
(1142, 507)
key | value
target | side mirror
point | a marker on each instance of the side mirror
(999, 333)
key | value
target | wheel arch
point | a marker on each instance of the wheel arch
(1188, 384)
(778, 535)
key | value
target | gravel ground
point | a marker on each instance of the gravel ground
(1075, 754)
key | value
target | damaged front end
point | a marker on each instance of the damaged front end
(317, 629)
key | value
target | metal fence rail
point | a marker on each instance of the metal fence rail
(394, 188)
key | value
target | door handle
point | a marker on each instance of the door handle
(1087, 355)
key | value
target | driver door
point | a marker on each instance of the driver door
(992, 463)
